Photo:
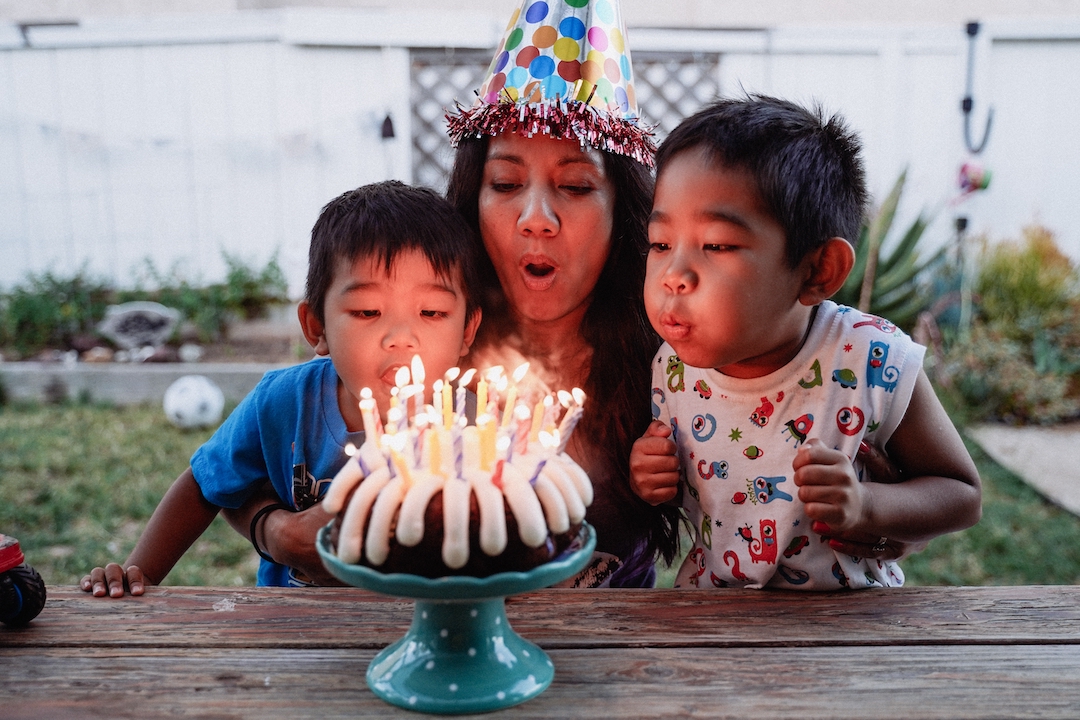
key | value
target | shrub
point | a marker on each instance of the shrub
(50, 312)
(1020, 362)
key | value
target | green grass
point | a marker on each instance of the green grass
(78, 483)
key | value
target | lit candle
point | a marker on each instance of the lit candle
(418, 378)
(435, 452)
(486, 425)
(367, 413)
(393, 417)
(511, 396)
(481, 396)
(462, 385)
(570, 420)
(458, 441)
(447, 405)
(537, 420)
(521, 432)
(401, 380)
(401, 467)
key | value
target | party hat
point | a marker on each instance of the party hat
(562, 69)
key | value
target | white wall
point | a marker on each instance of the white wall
(175, 138)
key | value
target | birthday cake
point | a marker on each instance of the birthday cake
(428, 495)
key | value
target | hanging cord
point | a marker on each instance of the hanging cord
(968, 102)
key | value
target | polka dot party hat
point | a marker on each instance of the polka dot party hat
(562, 69)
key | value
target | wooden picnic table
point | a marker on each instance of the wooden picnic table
(1003, 652)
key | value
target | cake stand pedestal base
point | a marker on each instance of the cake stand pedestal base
(460, 654)
(460, 657)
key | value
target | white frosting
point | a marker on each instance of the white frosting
(554, 500)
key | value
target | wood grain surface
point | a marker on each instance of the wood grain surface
(269, 653)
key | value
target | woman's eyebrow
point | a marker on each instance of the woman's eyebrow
(565, 160)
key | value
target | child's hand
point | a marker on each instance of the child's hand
(829, 488)
(654, 465)
(115, 579)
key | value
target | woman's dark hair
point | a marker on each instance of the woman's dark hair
(381, 220)
(808, 168)
(615, 326)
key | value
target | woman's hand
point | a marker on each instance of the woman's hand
(654, 465)
(879, 469)
(289, 538)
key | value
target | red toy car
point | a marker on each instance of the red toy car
(22, 591)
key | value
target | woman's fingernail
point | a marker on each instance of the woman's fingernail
(864, 447)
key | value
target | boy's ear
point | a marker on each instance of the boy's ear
(314, 332)
(471, 326)
(826, 270)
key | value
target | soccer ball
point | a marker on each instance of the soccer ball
(194, 401)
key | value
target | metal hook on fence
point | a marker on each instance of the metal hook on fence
(968, 102)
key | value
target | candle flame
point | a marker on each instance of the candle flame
(366, 394)
(451, 374)
(350, 449)
(417, 370)
(565, 398)
(519, 372)
(401, 378)
(467, 377)
(579, 396)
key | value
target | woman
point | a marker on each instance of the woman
(564, 236)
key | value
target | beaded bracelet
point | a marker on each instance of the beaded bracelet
(264, 511)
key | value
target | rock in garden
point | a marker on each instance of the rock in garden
(139, 324)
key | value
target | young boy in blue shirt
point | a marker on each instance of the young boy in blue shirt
(764, 389)
(389, 272)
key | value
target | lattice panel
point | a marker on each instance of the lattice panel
(438, 78)
(670, 86)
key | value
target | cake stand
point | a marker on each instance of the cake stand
(460, 654)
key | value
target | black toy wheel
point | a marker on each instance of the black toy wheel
(22, 595)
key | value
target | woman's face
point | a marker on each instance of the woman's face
(546, 214)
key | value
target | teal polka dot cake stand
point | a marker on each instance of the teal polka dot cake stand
(460, 654)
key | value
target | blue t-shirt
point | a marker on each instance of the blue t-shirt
(288, 431)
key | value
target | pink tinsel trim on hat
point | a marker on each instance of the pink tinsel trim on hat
(559, 119)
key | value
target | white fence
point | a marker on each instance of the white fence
(177, 140)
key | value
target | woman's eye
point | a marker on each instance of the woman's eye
(716, 247)
(365, 313)
(434, 313)
(578, 189)
(502, 187)
(658, 247)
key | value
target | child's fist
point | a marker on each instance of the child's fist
(828, 486)
(654, 465)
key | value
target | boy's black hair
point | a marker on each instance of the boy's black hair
(808, 169)
(381, 220)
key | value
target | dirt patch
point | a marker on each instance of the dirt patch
(275, 350)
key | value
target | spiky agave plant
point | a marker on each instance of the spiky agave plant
(890, 283)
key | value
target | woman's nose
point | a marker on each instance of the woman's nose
(538, 216)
